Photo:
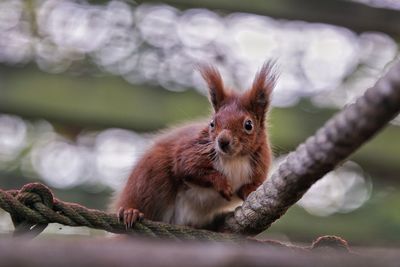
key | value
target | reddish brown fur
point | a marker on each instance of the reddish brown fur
(188, 154)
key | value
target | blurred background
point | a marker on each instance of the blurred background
(84, 85)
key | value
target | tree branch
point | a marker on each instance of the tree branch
(330, 145)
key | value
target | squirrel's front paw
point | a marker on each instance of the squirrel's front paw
(224, 189)
(129, 216)
(246, 189)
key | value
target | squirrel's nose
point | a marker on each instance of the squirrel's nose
(223, 144)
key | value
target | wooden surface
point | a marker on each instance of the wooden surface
(120, 252)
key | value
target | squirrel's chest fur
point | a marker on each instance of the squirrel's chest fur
(197, 206)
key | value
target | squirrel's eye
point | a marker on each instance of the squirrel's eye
(248, 125)
(212, 124)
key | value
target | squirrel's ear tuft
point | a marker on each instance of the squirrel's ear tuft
(258, 98)
(215, 85)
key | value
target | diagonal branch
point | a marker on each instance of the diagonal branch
(329, 146)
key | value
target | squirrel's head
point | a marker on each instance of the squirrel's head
(237, 126)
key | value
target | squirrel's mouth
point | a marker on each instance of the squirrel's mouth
(227, 151)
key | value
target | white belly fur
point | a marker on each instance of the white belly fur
(197, 206)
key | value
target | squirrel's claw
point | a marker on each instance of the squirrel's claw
(129, 216)
(224, 188)
(227, 192)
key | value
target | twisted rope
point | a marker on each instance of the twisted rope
(33, 207)
(329, 146)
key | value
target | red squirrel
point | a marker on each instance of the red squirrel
(193, 173)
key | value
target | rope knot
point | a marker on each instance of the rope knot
(33, 193)
(33, 196)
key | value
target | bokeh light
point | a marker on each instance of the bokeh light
(58, 162)
(115, 153)
(342, 190)
(160, 45)
(97, 157)
(13, 133)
